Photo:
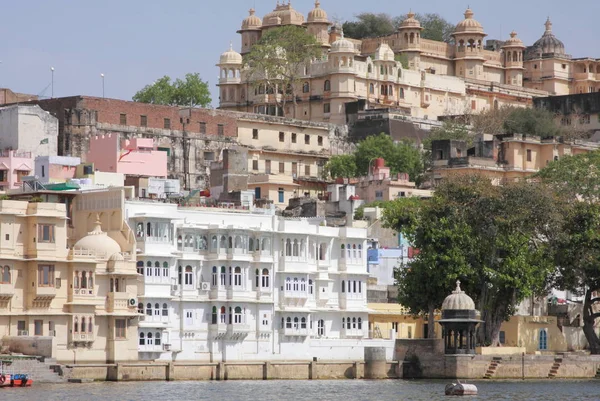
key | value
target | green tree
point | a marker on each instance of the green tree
(277, 61)
(518, 120)
(450, 129)
(191, 91)
(401, 157)
(341, 166)
(371, 25)
(577, 244)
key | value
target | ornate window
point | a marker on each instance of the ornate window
(265, 278)
(5, 275)
(327, 86)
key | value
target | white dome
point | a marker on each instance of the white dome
(99, 242)
(231, 57)
(384, 53)
(458, 300)
(342, 45)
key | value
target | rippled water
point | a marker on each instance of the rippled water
(349, 390)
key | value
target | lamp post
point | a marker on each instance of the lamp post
(102, 76)
(52, 84)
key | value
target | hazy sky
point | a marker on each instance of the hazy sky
(134, 42)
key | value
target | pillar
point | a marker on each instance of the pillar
(312, 370)
(221, 371)
(375, 363)
(170, 372)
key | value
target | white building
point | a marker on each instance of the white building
(222, 285)
(28, 128)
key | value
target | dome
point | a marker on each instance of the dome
(384, 53)
(231, 57)
(513, 41)
(251, 21)
(410, 22)
(283, 14)
(99, 242)
(548, 43)
(317, 14)
(116, 257)
(342, 45)
(458, 300)
(469, 25)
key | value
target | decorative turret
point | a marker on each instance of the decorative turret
(547, 44)
(318, 24)
(468, 38)
(230, 66)
(410, 37)
(251, 30)
(513, 60)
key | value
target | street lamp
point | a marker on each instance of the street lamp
(102, 76)
(52, 84)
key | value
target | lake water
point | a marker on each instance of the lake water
(348, 390)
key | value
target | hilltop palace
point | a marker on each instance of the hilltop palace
(437, 79)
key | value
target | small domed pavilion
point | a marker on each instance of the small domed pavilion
(459, 321)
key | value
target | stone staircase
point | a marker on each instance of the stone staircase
(555, 367)
(39, 369)
(491, 370)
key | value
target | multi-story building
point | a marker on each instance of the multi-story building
(224, 285)
(502, 158)
(579, 113)
(437, 78)
(69, 286)
(27, 128)
(14, 165)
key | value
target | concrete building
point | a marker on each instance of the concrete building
(134, 157)
(227, 285)
(437, 79)
(28, 128)
(69, 287)
(9, 97)
(502, 158)
(14, 165)
(578, 113)
(55, 169)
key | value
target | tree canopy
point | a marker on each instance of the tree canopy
(371, 25)
(191, 91)
(517, 120)
(277, 62)
(401, 157)
(491, 238)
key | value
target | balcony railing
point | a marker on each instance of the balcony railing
(82, 337)
(6, 291)
(295, 331)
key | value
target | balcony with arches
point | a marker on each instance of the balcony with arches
(352, 327)
(295, 326)
(153, 314)
(231, 323)
(352, 293)
(351, 258)
(295, 291)
(231, 247)
(294, 255)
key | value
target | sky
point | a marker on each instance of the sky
(134, 42)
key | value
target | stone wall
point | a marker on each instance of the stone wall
(38, 346)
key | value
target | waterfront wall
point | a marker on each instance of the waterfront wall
(303, 370)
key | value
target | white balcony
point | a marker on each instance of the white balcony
(238, 328)
(295, 332)
(153, 348)
(120, 302)
(352, 333)
(6, 291)
(82, 337)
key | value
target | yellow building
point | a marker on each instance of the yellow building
(437, 79)
(68, 284)
(502, 159)
(534, 334)
(386, 320)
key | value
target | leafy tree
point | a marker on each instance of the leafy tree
(192, 91)
(341, 166)
(450, 129)
(492, 238)
(517, 120)
(370, 25)
(577, 246)
(278, 59)
(359, 213)
(401, 157)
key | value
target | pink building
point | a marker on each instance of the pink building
(137, 156)
(13, 166)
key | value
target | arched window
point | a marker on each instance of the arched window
(311, 287)
(140, 308)
(305, 87)
(165, 309)
(370, 68)
(90, 326)
(391, 90)
(149, 229)
(296, 321)
(295, 248)
(266, 244)
(288, 323)
(165, 269)
(214, 315)
(214, 242)
(288, 284)
(83, 325)
(265, 278)
(327, 86)
(223, 242)
(543, 342)
(6, 275)
(321, 328)
(223, 275)
(349, 249)
(360, 323)
(237, 276)
(401, 93)
(360, 251)
(412, 38)
(250, 244)
(76, 325)
(142, 338)
(149, 309)
(230, 242)
(157, 269)
(75, 280)
(354, 323)
(509, 56)
(288, 247)
(399, 72)
(342, 251)
(157, 338)
(237, 315)
(189, 275)
(223, 315)
(323, 251)
(140, 267)
(303, 323)
(343, 286)
(381, 70)
(371, 89)
(257, 277)
(149, 341)
(238, 242)
(139, 230)
(303, 285)
(296, 287)
(343, 322)
(157, 309)
(348, 324)
(354, 251)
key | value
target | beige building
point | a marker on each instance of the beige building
(437, 79)
(502, 159)
(71, 285)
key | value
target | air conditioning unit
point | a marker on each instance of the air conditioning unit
(205, 286)
(175, 287)
(23, 333)
(132, 302)
(166, 347)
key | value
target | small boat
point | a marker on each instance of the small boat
(461, 389)
(12, 379)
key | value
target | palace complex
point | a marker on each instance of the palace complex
(436, 78)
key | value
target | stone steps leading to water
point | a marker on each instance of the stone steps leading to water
(491, 370)
(555, 367)
(39, 371)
